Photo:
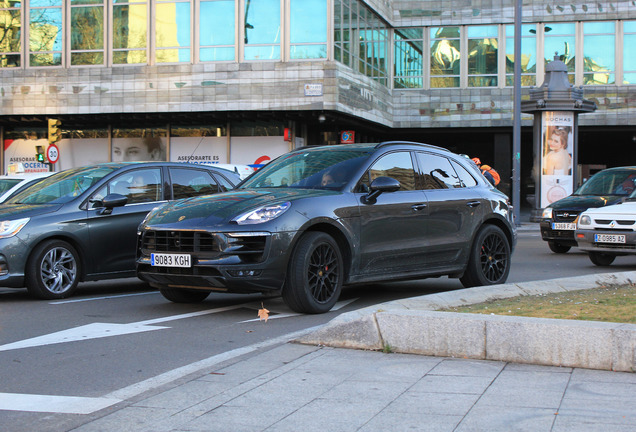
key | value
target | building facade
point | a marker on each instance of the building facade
(243, 81)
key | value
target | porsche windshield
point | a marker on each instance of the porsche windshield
(311, 169)
(61, 187)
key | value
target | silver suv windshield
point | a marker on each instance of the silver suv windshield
(323, 168)
(61, 187)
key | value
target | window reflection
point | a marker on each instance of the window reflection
(629, 59)
(560, 39)
(10, 33)
(483, 45)
(528, 55)
(598, 53)
(409, 59)
(45, 33)
(172, 32)
(262, 30)
(130, 32)
(87, 33)
(216, 30)
(445, 55)
(308, 29)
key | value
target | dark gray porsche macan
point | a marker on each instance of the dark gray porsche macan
(317, 218)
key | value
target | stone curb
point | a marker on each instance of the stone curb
(414, 326)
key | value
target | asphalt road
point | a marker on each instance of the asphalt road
(121, 337)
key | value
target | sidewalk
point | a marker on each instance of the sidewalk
(302, 387)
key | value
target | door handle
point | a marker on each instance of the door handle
(473, 203)
(418, 207)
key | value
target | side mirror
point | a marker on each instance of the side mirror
(111, 201)
(380, 185)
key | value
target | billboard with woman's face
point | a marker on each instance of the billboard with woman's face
(556, 162)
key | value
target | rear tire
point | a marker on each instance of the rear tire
(601, 259)
(53, 270)
(558, 247)
(315, 274)
(184, 295)
(489, 261)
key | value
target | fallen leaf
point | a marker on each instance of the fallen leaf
(263, 314)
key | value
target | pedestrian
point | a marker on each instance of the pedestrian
(489, 172)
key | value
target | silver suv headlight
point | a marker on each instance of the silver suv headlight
(547, 213)
(262, 214)
(585, 220)
(12, 227)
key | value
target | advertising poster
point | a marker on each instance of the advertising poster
(257, 151)
(199, 150)
(23, 151)
(139, 149)
(556, 163)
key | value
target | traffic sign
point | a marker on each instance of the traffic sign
(52, 153)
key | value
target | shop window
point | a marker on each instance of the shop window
(445, 56)
(528, 55)
(130, 32)
(217, 26)
(599, 40)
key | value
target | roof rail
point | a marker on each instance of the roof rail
(386, 143)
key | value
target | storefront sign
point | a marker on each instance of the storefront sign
(313, 89)
(347, 137)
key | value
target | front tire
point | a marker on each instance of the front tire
(52, 270)
(315, 274)
(601, 259)
(558, 247)
(489, 261)
(184, 295)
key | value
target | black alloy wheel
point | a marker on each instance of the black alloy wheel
(489, 262)
(315, 274)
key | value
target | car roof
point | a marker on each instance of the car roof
(27, 176)
(377, 145)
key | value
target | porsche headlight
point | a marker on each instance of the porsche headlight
(547, 213)
(262, 214)
(585, 220)
(12, 227)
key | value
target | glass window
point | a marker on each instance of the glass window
(188, 183)
(483, 45)
(397, 165)
(262, 30)
(45, 33)
(408, 58)
(465, 178)
(342, 32)
(87, 32)
(629, 59)
(308, 29)
(172, 32)
(130, 32)
(217, 25)
(599, 40)
(10, 33)
(436, 172)
(445, 55)
(528, 55)
(560, 40)
(139, 186)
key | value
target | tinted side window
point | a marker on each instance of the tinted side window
(224, 182)
(143, 185)
(437, 172)
(187, 183)
(396, 165)
(465, 178)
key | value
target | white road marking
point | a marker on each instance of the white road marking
(278, 315)
(88, 405)
(101, 298)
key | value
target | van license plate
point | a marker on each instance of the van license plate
(609, 238)
(563, 226)
(170, 260)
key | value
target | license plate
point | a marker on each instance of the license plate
(609, 238)
(563, 226)
(170, 260)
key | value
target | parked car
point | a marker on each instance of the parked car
(244, 171)
(606, 187)
(81, 224)
(11, 184)
(608, 232)
(320, 217)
